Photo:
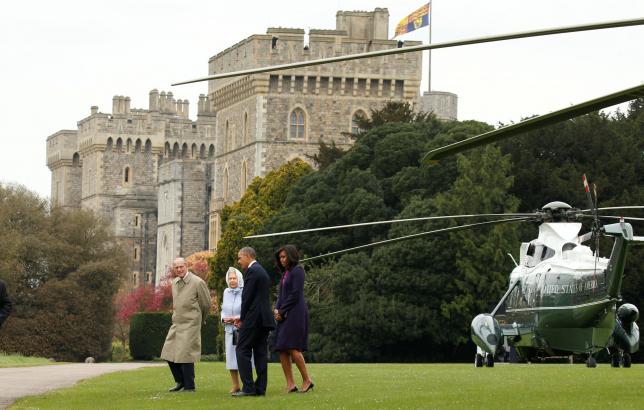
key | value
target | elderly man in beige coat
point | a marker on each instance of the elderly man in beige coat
(190, 305)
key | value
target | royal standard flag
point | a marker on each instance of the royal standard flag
(416, 20)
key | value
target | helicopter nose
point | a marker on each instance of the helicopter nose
(486, 332)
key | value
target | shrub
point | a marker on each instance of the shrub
(149, 330)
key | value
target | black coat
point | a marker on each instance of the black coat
(256, 306)
(293, 331)
(5, 303)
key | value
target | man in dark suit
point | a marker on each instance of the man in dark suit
(5, 303)
(254, 323)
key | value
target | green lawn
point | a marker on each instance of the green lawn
(352, 386)
(16, 360)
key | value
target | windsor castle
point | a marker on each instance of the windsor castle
(161, 179)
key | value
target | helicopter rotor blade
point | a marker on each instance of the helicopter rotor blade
(392, 221)
(423, 47)
(612, 208)
(433, 156)
(626, 218)
(416, 235)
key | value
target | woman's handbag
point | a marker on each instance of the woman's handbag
(235, 337)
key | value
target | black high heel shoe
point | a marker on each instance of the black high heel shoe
(293, 390)
(308, 388)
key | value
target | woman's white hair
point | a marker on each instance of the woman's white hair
(240, 277)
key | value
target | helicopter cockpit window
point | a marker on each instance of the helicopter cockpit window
(538, 252)
(568, 246)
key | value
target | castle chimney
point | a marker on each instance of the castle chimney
(127, 105)
(172, 103)
(154, 100)
(180, 107)
(94, 109)
(201, 104)
(115, 104)
(186, 109)
(163, 102)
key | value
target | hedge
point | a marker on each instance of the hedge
(148, 332)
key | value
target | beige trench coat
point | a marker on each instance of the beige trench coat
(190, 305)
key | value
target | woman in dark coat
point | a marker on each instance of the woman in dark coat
(292, 316)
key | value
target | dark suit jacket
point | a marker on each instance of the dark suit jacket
(256, 305)
(5, 303)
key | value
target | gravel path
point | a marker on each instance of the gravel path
(19, 382)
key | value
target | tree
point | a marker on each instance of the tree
(263, 198)
(64, 269)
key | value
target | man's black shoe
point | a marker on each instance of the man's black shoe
(188, 391)
(242, 393)
(178, 387)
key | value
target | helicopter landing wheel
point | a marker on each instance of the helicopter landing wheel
(489, 360)
(478, 360)
(614, 359)
(626, 360)
(591, 362)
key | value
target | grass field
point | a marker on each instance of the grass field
(382, 386)
(16, 360)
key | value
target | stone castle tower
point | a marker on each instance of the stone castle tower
(161, 179)
(265, 120)
(116, 164)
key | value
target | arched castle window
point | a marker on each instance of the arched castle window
(75, 159)
(127, 177)
(357, 116)
(167, 149)
(202, 151)
(227, 145)
(245, 130)
(128, 145)
(137, 146)
(193, 154)
(108, 147)
(297, 124)
(224, 189)
(244, 177)
(148, 146)
(119, 145)
(175, 150)
(184, 150)
(211, 151)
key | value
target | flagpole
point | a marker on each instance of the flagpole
(429, 61)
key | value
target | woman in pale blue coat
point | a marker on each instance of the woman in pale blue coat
(231, 310)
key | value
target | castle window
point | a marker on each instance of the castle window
(128, 146)
(148, 277)
(386, 88)
(244, 177)
(184, 150)
(119, 145)
(175, 150)
(193, 153)
(137, 146)
(135, 278)
(225, 185)
(399, 88)
(355, 120)
(245, 130)
(109, 144)
(148, 146)
(211, 151)
(227, 139)
(76, 159)
(126, 175)
(202, 151)
(297, 124)
(272, 83)
(136, 253)
(299, 84)
(362, 86)
(167, 149)
(136, 220)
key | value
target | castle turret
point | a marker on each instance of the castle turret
(154, 100)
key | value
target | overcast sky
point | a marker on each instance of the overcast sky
(58, 58)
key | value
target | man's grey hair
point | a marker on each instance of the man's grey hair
(248, 251)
